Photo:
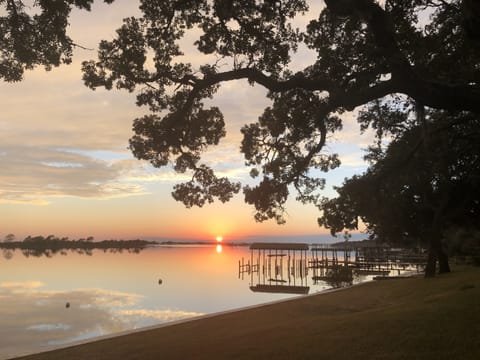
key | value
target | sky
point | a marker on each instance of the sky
(66, 169)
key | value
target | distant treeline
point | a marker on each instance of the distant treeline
(52, 242)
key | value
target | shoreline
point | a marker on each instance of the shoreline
(184, 320)
(402, 319)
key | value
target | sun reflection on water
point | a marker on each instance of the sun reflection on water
(219, 248)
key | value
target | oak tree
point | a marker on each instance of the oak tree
(425, 50)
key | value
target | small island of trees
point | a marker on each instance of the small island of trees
(51, 245)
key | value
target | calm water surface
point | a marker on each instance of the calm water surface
(53, 301)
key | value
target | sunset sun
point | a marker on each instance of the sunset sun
(219, 238)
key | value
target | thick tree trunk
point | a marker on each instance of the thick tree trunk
(443, 266)
(430, 269)
(436, 252)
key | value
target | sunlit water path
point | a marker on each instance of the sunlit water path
(53, 301)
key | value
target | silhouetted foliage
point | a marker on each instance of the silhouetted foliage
(464, 243)
(9, 238)
(420, 49)
(33, 33)
(425, 185)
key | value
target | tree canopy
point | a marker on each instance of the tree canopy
(420, 188)
(425, 50)
(35, 33)
(366, 51)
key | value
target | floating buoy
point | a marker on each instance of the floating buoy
(160, 281)
(67, 305)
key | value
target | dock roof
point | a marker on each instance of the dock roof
(278, 246)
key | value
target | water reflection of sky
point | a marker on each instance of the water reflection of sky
(112, 292)
(32, 318)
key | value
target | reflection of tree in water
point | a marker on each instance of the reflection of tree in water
(87, 252)
(8, 253)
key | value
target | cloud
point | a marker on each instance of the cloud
(55, 110)
(35, 174)
(26, 285)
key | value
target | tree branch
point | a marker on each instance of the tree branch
(405, 78)
(270, 82)
(432, 94)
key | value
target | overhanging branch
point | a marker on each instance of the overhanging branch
(406, 79)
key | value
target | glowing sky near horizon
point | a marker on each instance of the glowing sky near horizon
(66, 169)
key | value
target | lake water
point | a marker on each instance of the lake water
(55, 301)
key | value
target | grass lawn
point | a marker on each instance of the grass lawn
(412, 318)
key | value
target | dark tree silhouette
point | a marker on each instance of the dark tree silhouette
(34, 33)
(9, 238)
(424, 185)
(426, 50)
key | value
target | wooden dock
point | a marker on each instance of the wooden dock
(276, 267)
